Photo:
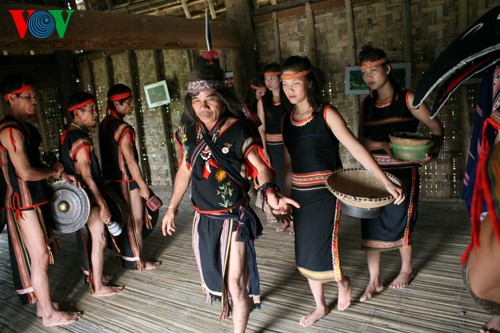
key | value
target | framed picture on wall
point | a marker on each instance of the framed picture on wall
(157, 94)
(354, 84)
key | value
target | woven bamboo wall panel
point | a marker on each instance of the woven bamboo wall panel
(122, 74)
(292, 39)
(176, 68)
(154, 158)
(265, 42)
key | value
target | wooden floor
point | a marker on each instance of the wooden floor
(170, 299)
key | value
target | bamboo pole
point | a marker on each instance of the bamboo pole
(277, 43)
(463, 9)
(310, 34)
(352, 58)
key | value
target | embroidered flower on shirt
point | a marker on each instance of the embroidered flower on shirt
(220, 175)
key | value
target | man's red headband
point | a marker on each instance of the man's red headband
(119, 97)
(18, 91)
(81, 105)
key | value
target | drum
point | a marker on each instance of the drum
(119, 212)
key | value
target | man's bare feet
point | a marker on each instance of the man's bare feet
(372, 289)
(286, 225)
(59, 318)
(56, 305)
(313, 317)
(107, 291)
(401, 281)
(148, 265)
(344, 293)
(492, 326)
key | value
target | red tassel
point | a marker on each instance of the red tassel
(210, 55)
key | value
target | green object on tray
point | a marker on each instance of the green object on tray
(407, 153)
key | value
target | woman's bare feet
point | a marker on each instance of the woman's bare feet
(492, 326)
(344, 293)
(55, 305)
(401, 281)
(148, 265)
(59, 318)
(286, 225)
(372, 289)
(314, 316)
(107, 291)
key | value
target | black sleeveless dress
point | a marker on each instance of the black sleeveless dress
(394, 227)
(314, 152)
(274, 139)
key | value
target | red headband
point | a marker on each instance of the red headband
(81, 105)
(119, 97)
(373, 64)
(295, 75)
(272, 73)
(17, 91)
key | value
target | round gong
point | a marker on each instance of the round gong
(70, 207)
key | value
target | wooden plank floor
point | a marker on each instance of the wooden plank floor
(170, 299)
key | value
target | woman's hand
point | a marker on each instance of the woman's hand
(396, 191)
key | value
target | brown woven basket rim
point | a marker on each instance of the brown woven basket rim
(410, 142)
(362, 202)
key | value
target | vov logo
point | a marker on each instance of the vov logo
(41, 24)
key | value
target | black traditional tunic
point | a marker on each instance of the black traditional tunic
(71, 142)
(314, 153)
(394, 227)
(221, 204)
(113, 129)
(273, 114)
(18, 196)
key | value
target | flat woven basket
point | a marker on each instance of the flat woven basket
(360, 188)
(410, 139)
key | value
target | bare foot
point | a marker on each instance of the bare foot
(55, 305)
(59, 318)
(344, 293)
(401, 281)
(107, 291)
(286, 225)
(313, 317)
(492, 326)
(372, 289)
(148, 265)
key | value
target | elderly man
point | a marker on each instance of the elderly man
(215, 142)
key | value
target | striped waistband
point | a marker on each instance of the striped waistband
(274, 138)
(314, 180)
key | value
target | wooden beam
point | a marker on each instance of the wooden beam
(277, 42)
(185, 7)
(292, 8)
(310, 34)
(94, 30)
(357, 116)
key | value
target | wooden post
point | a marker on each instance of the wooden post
(139, 120)
(407, 31)
(277, 43)
(463, 9)
(352, 58)
(166, 120)
(310, 35)
(244, 57)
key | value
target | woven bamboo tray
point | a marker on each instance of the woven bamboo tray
(359, 188)
(410, 139)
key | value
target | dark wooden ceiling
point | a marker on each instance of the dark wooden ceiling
(179, 8)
